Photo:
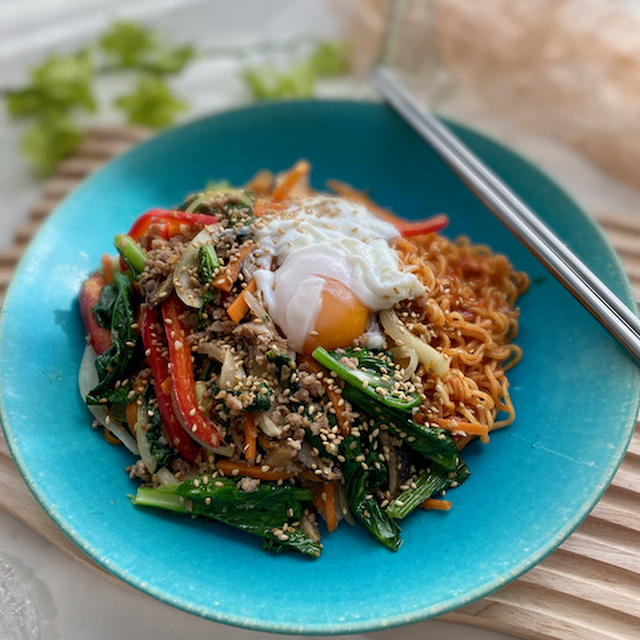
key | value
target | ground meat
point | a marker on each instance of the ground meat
(281, 455)
(179, 465)
(310, 383)
(233, 402)
(301, 395)
(257, 336)
(248, 484)
(156, 279)
(320, 423)
(140, 471)
(295, 421)
(294, 443)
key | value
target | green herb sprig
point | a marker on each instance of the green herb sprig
(61, 88)
(298, 81)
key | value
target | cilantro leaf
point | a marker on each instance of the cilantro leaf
(172, 60)
(59, 83)
(129, 45)
(127, 42)
(267, 83)
(49, 139)
(25, 102)
(151, 103)
(329, 59)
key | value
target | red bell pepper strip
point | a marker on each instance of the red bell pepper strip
(99, 337)
(154, 341)
(142, 224)
(185, 402)
(422, 228)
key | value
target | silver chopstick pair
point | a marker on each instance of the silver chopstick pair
(592, 293)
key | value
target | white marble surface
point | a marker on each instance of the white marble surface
(70, 601)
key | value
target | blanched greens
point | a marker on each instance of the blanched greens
(261, 512)
(116, 305)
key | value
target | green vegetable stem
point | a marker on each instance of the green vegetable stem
(261, 512)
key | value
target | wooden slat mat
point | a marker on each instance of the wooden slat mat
(589, 589)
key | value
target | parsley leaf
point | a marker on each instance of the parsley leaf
(59, 83)
(329, 59)
(268, 83)
(151, 103)
(126, 43)
(49, 139)
(172, 60)
(129, 45)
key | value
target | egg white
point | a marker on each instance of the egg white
(326, 237)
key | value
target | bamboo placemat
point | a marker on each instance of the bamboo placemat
(588, 589)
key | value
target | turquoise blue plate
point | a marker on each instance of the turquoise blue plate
(575, 392)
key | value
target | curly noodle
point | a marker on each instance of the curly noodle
(468, 313)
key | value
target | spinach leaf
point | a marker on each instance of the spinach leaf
(262, 512)
(430, 482)
(361, 477)
(112, 364)
(433, 443)
(102, 311)
(373, 375)
(158, 444)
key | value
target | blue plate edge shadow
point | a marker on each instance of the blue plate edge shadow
(358, 626)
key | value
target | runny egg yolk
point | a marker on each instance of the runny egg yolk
(341, 319)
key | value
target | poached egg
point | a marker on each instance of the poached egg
(333, 268)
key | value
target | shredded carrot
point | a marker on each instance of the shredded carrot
(233, 468)
(330, 506)
(132, 417)
(239, 307)
(230, 273)
(107, 269)
(347, 191)
(332, 393)
(299, 170)
(110, 438)
(250, 435)
(263, 206)
(324, 501)
(460, 425)
(309, 476)
(433, 503)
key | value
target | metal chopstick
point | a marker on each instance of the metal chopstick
(591, 292)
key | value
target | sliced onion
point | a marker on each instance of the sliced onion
(259, 311)
(342, 506)
(231, 372)
(87, 380)
(403, 353)
(215, 350)
(306, 456)
(188, 265)
(165, 476)
(430, 358)
(268, 426)
(225, 451)
(141, 426)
